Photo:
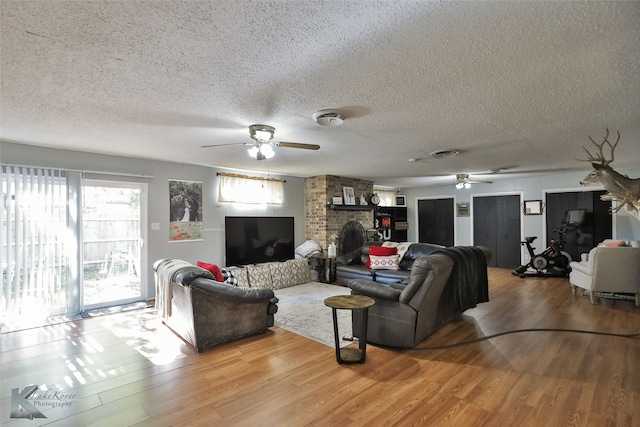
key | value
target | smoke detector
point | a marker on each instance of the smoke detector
(328, 118)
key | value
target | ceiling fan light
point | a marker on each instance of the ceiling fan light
(467, 185)
(253, 152)
(460, 185)
(266, 150)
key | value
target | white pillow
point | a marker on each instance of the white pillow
(402, 247)
(384, 262)
(308, 249)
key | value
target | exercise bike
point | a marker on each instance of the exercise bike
(553, 261)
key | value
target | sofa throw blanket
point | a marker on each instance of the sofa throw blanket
(468, 278)
(164, 295)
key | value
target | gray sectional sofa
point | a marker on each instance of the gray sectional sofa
(437, 289)
(352, 265)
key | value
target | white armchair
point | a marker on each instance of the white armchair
(607, 269)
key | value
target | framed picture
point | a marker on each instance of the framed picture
(337, 200)
(185, 210)
(401, 200)
(532, 207)
(349, 195)
(462, 209)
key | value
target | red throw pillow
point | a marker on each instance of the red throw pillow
(380, 251)
(213, 269)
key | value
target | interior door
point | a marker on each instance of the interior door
(436, 221)
(496, 225)
(112, 236)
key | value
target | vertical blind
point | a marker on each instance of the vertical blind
(39, 253)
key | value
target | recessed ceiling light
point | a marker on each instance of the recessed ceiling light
(413, 160)
(444, 153)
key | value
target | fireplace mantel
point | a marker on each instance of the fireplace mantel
(351, 207)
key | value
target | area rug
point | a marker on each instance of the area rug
(301, 310)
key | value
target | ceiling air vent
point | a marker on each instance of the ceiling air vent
(444, 153)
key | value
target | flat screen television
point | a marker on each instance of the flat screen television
(258, 239)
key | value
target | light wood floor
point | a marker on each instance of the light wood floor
(128, 369)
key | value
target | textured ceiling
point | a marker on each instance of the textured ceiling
(515, 85)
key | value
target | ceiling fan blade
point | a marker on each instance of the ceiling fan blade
(225, 145)
(298, 145)
(473, 181)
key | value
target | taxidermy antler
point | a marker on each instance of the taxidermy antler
(619, 187)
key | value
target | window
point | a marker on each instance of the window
(245, 189)
(387, 197)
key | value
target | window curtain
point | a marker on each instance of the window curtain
(39, 252)
(245, 189)
(387, 197)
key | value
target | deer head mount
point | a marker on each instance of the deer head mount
(620, 187)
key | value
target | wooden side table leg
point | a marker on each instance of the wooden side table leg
(336, 335)
(363, 334)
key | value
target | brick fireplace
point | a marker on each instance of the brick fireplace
(321, 221)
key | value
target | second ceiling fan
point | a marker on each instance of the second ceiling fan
(262, 145)
(463, 181)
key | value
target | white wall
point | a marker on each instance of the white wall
(625, 226)
(211, 248)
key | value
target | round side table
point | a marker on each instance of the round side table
(350, 302)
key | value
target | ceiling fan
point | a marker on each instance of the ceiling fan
(262, 146)
(463, 181)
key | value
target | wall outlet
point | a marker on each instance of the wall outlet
(155, 226)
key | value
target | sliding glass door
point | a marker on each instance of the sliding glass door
(112, 215)
(67, 244)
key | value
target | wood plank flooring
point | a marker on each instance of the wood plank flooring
(129, 369)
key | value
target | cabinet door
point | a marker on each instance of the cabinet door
(436, 221)
(496, 225)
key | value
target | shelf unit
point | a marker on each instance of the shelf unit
(398, 217)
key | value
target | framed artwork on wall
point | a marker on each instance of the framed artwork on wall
(532, 207)
(349, 196)
(462, 209)
(185, 210)
(401, 200)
